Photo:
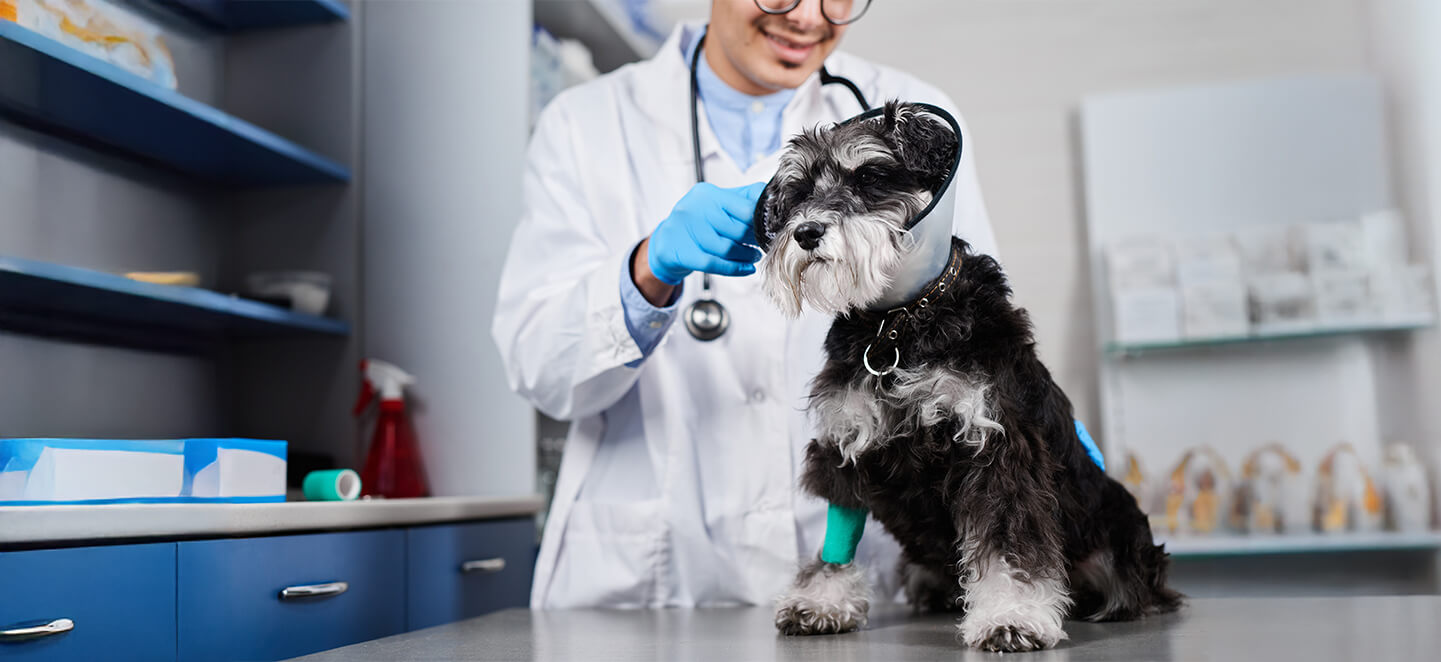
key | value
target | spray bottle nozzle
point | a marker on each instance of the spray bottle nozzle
(384, 379)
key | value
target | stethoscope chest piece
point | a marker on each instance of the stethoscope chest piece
(705, 318)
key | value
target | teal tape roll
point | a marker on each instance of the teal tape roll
(331, 485)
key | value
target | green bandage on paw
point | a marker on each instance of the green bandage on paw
(844, 527)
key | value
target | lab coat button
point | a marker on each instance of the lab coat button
(758, 396)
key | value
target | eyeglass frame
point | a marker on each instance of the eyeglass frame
(797, 3)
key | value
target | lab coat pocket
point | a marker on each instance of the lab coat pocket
(612, 555)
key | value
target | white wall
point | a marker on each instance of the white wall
(1018, 68)
(1406, 46)
(445, 116)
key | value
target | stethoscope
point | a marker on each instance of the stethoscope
(706, 318)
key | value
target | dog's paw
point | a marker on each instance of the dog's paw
(825, 599)
(804, 617)
(1011, 639)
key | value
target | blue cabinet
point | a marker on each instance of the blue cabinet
(257, 598)
(119, 601)
(460, 571)
(231, 604)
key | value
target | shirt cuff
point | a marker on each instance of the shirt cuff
(647, 324)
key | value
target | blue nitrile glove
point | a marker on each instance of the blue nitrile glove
(1090, 445)
(706, 232)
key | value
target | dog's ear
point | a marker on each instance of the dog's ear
(760, 222)
(925, 145)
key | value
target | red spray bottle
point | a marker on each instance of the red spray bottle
(393, 468)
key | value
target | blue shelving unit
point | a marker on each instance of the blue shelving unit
(56, 300)
(242, 15)
(52, 87)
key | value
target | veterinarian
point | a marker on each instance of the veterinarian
(678, 483)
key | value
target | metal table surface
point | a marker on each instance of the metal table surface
(1314, 629)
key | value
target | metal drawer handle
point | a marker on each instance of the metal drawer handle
(314, 590)
(57, 626)
(483, 565)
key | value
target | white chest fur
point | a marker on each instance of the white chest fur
(862, 416)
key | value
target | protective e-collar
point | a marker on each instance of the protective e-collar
(931, 247)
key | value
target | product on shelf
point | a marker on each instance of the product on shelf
(1145, 304)
(1136, 483)
(1271, 497)
(1279, 295)
(555, 64)
(100, 29)
(1213, 288)
(1346, 497)
(1198, 493)
(1408, 494)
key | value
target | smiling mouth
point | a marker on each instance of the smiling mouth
(788, 43)
(790, 52)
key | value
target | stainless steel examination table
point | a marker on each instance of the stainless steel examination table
(1369, 629)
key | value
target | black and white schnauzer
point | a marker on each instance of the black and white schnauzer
(944, 423)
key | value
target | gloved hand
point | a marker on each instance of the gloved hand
(705, 232)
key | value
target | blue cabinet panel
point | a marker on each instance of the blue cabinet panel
(455, 571)
(230, 604)
(120, 599)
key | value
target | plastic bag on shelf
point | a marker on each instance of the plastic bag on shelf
(1272, 496)
(1346, 497)
(1408, 492)
(1198, 494)
(100, 29)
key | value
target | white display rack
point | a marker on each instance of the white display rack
(1182, 547)
(1207, 159)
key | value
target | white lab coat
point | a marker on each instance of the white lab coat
(678, 484)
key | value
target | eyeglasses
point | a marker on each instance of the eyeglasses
(837, 12)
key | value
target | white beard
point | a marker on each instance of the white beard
(852, 266)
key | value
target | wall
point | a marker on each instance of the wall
(445, 116)
(1018, 69)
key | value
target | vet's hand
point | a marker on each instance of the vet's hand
(706, 232)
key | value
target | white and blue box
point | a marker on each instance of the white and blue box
(98, 471)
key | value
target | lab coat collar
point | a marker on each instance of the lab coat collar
(662, 84)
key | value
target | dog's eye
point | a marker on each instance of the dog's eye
(869, 176)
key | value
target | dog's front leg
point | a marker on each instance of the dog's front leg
(1011, 557)
(830, 594)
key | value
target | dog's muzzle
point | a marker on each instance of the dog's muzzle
(929, 243)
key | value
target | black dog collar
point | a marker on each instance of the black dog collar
(894, 322)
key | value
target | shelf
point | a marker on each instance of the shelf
(1312, 543)
(242, 15)
(54, 300)
(1127, 349)
(52, 87)
(598, 24)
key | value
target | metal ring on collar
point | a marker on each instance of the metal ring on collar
(866, 359)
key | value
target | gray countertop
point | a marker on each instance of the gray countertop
(1317, 629)
(57, 524)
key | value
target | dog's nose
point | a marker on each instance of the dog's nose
(809, 234)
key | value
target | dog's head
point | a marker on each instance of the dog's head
(834, 219)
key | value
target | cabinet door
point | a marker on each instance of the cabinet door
(459, 571)
(271, 598)
(88, 603)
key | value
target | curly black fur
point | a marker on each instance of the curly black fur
(1030, 495)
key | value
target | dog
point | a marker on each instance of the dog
(965, 450)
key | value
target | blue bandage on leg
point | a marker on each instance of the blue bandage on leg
(843, 533)
(1090, 445)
